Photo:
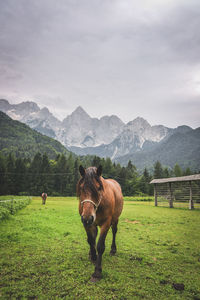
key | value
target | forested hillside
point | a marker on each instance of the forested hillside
(23, 141)
(22, 176)
(59, 177)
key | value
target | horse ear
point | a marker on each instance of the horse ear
(82, 170)
(99, 170)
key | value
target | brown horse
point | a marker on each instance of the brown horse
(44, 197)
(100, 204)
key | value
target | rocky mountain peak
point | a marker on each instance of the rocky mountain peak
(183, 129)
(111, 119)
(78, 114)
(27, 105)
(45, 111)
(4, 101)
(139, 123)
(80, 111)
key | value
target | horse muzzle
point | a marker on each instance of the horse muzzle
(87, 221)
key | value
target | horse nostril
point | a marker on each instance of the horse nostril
(84, 220)
(91, 219)
(87, 221)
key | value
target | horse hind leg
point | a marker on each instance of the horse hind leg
(114, 231)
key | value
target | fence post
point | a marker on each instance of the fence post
(155, 194)
(12, 210)
(171, 196)
(191, 203)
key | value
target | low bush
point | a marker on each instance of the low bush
(139, 198)
(11, 206)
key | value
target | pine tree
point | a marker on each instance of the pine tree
(177, 170)
(70, 176)
(35, 175)
(76, 174)
(165, 173)
(146, 175)
(158, 170)
(61, 175)
(3, 187)
(122, 179)
(108, 169)
(144, 182)
(10, 177)
(46, 175)
(187, 172)
(20, 176)
(96, 161)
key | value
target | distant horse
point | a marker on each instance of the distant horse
(44, 197)
(100, 204)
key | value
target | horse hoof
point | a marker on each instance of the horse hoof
(112, 253)
(95, 279)
(96, 276)
(93, 261)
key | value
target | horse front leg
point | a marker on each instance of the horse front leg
(97, 275)
(91, 238)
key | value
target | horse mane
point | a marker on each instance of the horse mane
(88, 183)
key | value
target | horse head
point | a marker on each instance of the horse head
(89, 191)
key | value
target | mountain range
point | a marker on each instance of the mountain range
(108, 136)
(77, 129)
(80, 131)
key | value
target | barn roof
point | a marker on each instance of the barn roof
(177, 179)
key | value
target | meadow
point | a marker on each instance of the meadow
(44, 254)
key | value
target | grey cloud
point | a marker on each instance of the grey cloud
(128, 57)
(181, 32)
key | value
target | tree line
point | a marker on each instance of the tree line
(58, 177)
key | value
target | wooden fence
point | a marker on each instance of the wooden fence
(177, 191)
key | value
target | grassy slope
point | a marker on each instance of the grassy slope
(44, 254)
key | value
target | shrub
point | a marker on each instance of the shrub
(10, 207)
(139, 198)
(55, 194)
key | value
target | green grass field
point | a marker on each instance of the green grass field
(44, 254)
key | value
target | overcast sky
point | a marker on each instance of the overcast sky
(124, 57)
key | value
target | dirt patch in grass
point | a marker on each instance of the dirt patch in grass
(132, 222)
